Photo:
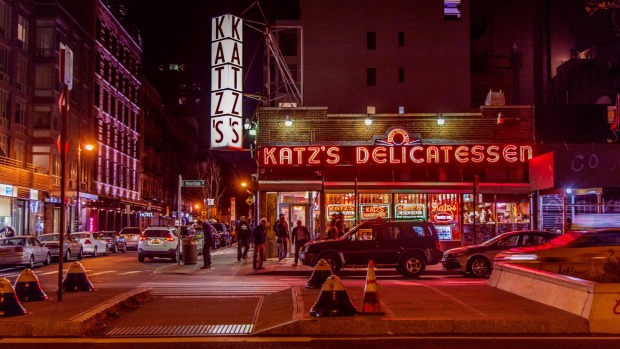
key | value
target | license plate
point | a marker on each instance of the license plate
(156, 242)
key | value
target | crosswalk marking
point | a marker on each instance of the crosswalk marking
(217, 288)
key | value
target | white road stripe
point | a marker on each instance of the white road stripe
(103, 272)
(131, 272)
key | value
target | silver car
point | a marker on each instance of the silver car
(92, 243)
(71, 247)
(23, 250)
(132, 237)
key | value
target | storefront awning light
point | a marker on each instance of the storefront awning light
(288, 121)
(368, 120)
(440, 120)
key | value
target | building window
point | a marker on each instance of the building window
(96, 95)
(4, 17)
(371, 76)
(4, 109)
(401, 39)
(4, 145)
(20, 112)
(21, 78)
(20, 151)
(452, 10)
(371, 40)
(45, 42)
(106, 101)
(401, 75)
(22, 32)
(42, 117)
(44, 78)
(4, 64)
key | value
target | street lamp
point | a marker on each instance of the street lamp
(78, 217)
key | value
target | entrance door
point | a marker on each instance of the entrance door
(293, 212)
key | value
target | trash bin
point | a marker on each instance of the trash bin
(189, 249)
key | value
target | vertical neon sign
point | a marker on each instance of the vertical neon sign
(226, 82)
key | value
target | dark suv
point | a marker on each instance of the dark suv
(408, 246)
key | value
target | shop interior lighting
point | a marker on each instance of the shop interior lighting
(288, 122)
(368, 120)
(440, 120)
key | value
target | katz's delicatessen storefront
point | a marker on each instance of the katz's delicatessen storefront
(460, 188)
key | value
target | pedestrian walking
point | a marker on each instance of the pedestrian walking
(301, 236)
(332, 230)
(259, 239)
(282, 237)
(243, 238)
(207, 230)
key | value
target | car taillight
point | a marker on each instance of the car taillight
(169, 238)
(142, 238)
(87, 242)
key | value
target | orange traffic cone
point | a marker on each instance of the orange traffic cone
(9, 304)
(76, 280)
(28, 288)
(371, 305)
(320, 273)
(333, 300)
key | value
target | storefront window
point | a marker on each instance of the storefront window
(340, 203)
(443, 212)
(410, 206)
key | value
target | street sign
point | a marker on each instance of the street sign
(194, 183)
(249, 201)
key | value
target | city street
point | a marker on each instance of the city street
(232, 306)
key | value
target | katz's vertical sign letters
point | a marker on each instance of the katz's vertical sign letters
(226, 82)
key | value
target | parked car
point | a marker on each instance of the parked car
(199, 232)
(190, 232)
(591, 247)
(23, 250)
(477, 260)
(71, 247)
(158, 242)
(116, 242)
(92, 243)
(222, 233)
(408, 246)
(132, 237)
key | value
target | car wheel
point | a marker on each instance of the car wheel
(333, 260)
(95, 252)
(67, 256)
(412, 265)
(115, 248)
(140, 258)
(479, 267)
(48, 259)
(80, 255)
(31, 262)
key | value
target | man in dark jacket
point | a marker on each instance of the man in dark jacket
(207, 230)
(259, 239)
(243, 238)
(301, 235)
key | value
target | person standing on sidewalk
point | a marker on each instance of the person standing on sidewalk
(259, 239)
(300, 237)
(207, 230)
(243, 238)
(282, 237)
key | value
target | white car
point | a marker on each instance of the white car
(158, 242)
(132, 237)
(92, 243)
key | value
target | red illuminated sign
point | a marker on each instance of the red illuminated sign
(394, 155)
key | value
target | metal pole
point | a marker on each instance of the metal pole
(64, 100)
(179, 218)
